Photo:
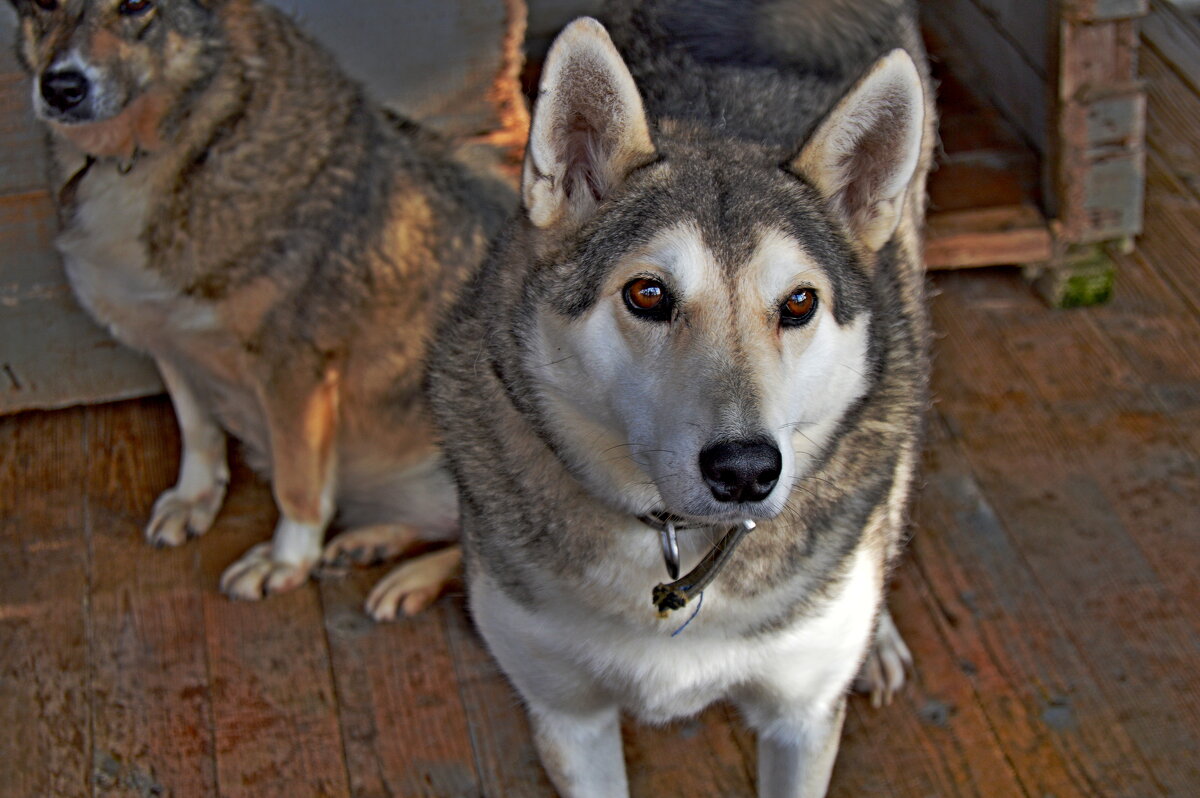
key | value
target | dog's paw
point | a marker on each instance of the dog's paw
(368, 545)
(413, 586)
(257, 575)
(177, 518)
(887, 664)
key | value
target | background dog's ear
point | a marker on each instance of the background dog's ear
(589, 127)
(865, 152)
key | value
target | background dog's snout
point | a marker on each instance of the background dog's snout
(64, 89)
(741, 471)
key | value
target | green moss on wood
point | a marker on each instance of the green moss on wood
(1083, 278)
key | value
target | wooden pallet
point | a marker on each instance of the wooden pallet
(1062, 77)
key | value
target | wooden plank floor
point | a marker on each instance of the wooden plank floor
(1051, 592)
(1050, 595)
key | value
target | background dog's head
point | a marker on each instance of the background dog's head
(105, 71)
(701, 313)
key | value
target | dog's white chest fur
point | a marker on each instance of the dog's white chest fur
(659, 677)
(107, 262)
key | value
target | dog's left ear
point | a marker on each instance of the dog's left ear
(864, 153)
(589, 128)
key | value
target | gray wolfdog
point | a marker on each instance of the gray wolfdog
(235, 207)
(701, 345)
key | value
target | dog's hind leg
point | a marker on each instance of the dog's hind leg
(369, 545)
(414, 585)
(188, 509)
(888, 661)
(302, 424)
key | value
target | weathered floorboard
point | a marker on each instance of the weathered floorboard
(151, 710)
(44, 689)
(402, 718)
(273, 694)
(1039, 468)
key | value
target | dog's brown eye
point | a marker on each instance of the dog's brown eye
(132, 7)
(799, 308)
(648, 299)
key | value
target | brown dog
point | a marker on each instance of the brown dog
(234, 206)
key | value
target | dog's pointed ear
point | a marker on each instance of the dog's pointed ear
(589, 128)
(863, 155)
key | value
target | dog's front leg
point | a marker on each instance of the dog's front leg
(796, 753)
(581, 751)
(576, 724)
(302, 421)
(188, 509)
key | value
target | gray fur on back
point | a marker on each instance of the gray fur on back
(760, 70)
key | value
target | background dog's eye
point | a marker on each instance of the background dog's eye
(47, 5)
(799, 308)
(131, 7)
(648, 299)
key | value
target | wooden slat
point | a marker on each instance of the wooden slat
(968, 184)
(273, 696)
(1026, 26)
(1103, 10)
(984, 56)
(402, 717)
(44, 706)
(1015, 234)
(1171, 129)
(152, 720)
(1097, 57)
(1176, 38)
(1172, 230)
(1098, 156)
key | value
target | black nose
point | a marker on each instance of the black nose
(64, 89)
(741, 471)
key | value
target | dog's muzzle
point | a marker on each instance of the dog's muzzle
(64, 90)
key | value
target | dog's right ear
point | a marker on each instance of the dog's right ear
(864, 154)
(589, 128)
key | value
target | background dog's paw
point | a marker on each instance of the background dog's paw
(257, 575)
(177, 518)
(368, 545)
(887, 664)
(413, 586)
